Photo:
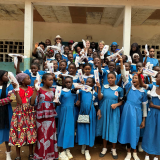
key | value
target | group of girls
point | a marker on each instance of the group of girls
(119, 107)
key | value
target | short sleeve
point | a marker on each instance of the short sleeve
(121, 93)
(149, 86)
(127, 85)
(104, 72)
(157, 63)
(27, 72)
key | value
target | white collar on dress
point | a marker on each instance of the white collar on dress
(141, 89)
(113, 71)
(66, 89)
(111, 87)
(153, 92)
(32, 74)
(84, 76)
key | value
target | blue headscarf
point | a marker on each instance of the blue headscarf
(114, 44)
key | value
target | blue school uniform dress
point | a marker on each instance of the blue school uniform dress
(108, 125)
(4, 133)
(151, 141)
(90, 59)
(133, 68)
(153, 61)
(132, 115)
(32, 77)
(54, 85)
(66, 123)
(93, 67)
(104, 76)
(85, 131)
(106, 67)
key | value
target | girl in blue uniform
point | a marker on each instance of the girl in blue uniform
(104, 73)
(94, 64)
(86, 131)
(66, 124)
(5, 110)
(65, 54)
(31, 72)
(108, 126)
(151, 58)
(132, 118)
(136, 59)
(151, 142)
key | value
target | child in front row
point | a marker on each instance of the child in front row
(108, 126)
(150, 142)
(46, 146)
(23, 123)
(66, 123)
(132, 118)
(86, 131)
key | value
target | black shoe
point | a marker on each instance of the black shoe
(114, 156)
(18, 158)
(102, 155)
(30, 157)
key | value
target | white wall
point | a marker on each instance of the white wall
(14, 30)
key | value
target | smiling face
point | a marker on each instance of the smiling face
(136, 58)
(89, 52)
(47, 42)
(42, 46)
(50, 54)
(68, 83)
(87, 44)
(58, 40)
(135, 80)
(111, 79)
(96, 61)
(101, 45)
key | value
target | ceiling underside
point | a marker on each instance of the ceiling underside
(84, 15)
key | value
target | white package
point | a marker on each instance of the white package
(104, 50)
(96, 75)
(77, 61)
(84, 43)
(113, 56)
(86, 88)
(149, 72)
(80, 75)
(146, 49)
(12, 78)
(57, 93)
(40, 49)
(37, 85)
(78, 85)
(50, 67)
(74, 45)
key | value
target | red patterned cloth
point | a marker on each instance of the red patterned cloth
(23, 123)
(45, 107)
(46, 146)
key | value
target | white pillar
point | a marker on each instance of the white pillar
(127, 29)
(28, 33)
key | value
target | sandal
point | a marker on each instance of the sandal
(30, 157)
(18, 158)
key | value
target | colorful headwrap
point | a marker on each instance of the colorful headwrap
(114, 44)
(21, 76)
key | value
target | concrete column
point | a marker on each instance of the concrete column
(127, 29)
(28, 33)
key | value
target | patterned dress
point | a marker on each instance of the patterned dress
(46, 146)
(23, 123)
